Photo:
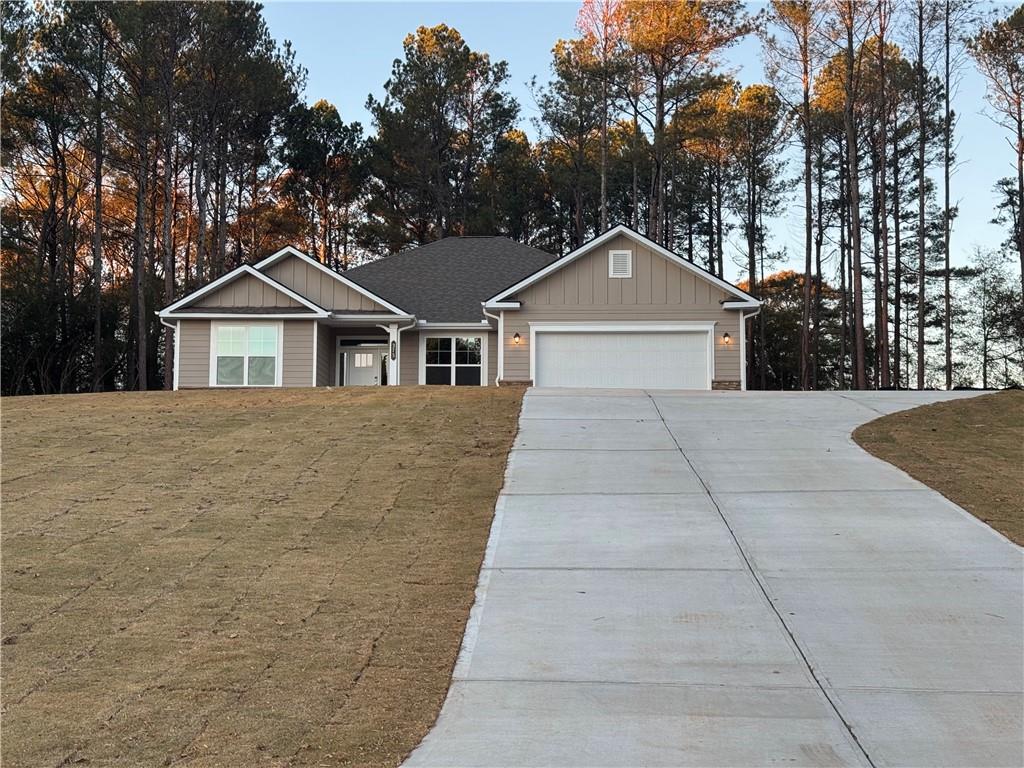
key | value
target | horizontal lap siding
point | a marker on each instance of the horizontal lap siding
(657, 291)
(297, 367)
(409, 372)
(248, 291)
(409, 362)
(320, 287)
(193, 354)
(325, 345)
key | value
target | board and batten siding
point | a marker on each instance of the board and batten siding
(248, 291)
(657, 291)
(321, 288)
(194, 353)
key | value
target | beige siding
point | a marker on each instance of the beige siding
(325, 357)
(409, 358)
(492, 358)
(410, 363)
(297, 367)
(657, 291)
(248, 291)
(319, 287)
(193, 354)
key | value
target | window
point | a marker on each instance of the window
(453, 360)
(362, 360)
(246, 355)
(620, 263)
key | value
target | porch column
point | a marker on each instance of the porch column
(393, 342)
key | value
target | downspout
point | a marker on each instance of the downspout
(743, 346)
(500, 319)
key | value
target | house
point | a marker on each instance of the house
(620, 311)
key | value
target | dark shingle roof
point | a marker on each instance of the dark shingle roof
(445, 281)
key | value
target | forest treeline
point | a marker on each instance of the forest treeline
(148, 148)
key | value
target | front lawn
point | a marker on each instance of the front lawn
(240, 578)
(970, 450)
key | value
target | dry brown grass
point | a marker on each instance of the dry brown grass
(971, 451)
(240, 578)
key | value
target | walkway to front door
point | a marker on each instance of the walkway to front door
(679, 579)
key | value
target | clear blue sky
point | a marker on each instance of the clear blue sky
(348, 49)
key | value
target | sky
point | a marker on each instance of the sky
(348, 49)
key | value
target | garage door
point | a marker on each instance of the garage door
(643, 360)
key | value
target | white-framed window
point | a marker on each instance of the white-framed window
(245, 354)
(454, 360)
(620, 264)
(362, 360)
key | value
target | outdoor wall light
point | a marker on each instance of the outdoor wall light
(726, 338)
(516, 338)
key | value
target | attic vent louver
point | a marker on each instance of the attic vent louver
(620, 263)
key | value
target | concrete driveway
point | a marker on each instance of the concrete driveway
(727, 579)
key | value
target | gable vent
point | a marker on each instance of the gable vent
(620, 263)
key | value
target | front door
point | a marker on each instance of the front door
(363, 366)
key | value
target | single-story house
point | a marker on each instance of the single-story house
(620, 311)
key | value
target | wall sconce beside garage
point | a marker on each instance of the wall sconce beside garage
(726, 338)
(516, 338)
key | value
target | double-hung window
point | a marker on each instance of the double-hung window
(455, 360)
(246, 355)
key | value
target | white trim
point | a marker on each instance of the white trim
(177, 352)
(611, 264)
(214, 315)
(278, 367)
(740, 305)
(233, 275)
(289, 250)
(316, 355)
(484, 362)
(600, 240)
(502, 304)
(369, 317)
(692, 326)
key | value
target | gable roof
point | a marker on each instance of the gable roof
(740, 297)
(447, 280)
(308, 307)
(289, 250)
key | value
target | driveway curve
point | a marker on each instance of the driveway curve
(728, 579)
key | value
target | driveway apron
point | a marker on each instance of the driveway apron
(678, 579)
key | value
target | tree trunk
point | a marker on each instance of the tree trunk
(805, 326)
(167, 246)
(882, 331)
(897, 261)
(947, 140)
(920, 195)
(843, 248)
(202, 190)
(97, 236)
(849, 120)
(139, 263)
(604, 149)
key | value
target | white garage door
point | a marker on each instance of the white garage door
(642, 360)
